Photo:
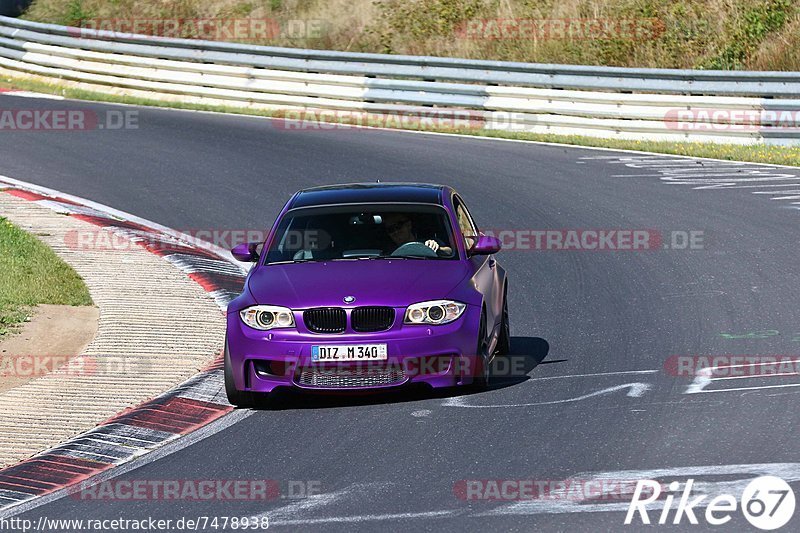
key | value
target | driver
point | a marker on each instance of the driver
(400, 230)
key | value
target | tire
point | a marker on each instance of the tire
(236, 397)
(482, 367)
(504, 340)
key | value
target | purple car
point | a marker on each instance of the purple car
(365, 287)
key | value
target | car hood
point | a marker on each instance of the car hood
(395, 283)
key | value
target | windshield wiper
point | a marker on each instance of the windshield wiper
(406, 257)
(292, 261)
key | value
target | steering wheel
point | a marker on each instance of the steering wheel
(413, 249)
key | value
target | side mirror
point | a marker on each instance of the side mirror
(246, 252)
(486, 245)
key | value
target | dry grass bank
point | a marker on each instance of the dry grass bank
(728, 34)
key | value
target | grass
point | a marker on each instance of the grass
(756, 153)
(727, 34)
(31, 274)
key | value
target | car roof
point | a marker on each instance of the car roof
(351, 193)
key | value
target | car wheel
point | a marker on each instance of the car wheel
(504, 340)
(236, 397)
(482, 366)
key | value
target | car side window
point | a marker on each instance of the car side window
(465, 223)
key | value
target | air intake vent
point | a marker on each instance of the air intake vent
(325, 320)
(344, 378)
(365, 319)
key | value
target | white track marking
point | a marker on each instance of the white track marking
(187, 440)
(309, 504)
(737, 389)
(237, 416)
(763, 363)
(764, 376)
(764, 186)
(561, 507)
(730, 479)
(299, 507)
(704, 377)
(365, 518)
(595, 375)
(177, 445)
(745, 473)
(701, 380)
(636, 390)
(28, 94)
(708, 175)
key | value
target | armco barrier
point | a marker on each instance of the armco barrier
(652, 104)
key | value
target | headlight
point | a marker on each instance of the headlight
(266, 317)
(435, 312)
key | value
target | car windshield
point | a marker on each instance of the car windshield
(352, 232)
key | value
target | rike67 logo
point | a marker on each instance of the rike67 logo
(767, 502)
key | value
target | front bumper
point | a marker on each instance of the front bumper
(438, 356)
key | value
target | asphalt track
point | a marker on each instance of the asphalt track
(601, 324)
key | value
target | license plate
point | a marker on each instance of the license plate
(349, 352)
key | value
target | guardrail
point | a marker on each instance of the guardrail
(652, 104)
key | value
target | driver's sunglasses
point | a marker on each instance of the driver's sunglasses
(394, 228)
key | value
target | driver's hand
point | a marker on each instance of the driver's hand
(433, 245)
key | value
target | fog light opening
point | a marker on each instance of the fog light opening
(270, 368)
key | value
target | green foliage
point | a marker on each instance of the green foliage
(419, 20)
(755, 25)
(31, 274)
(719, 34)
(76, 13)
